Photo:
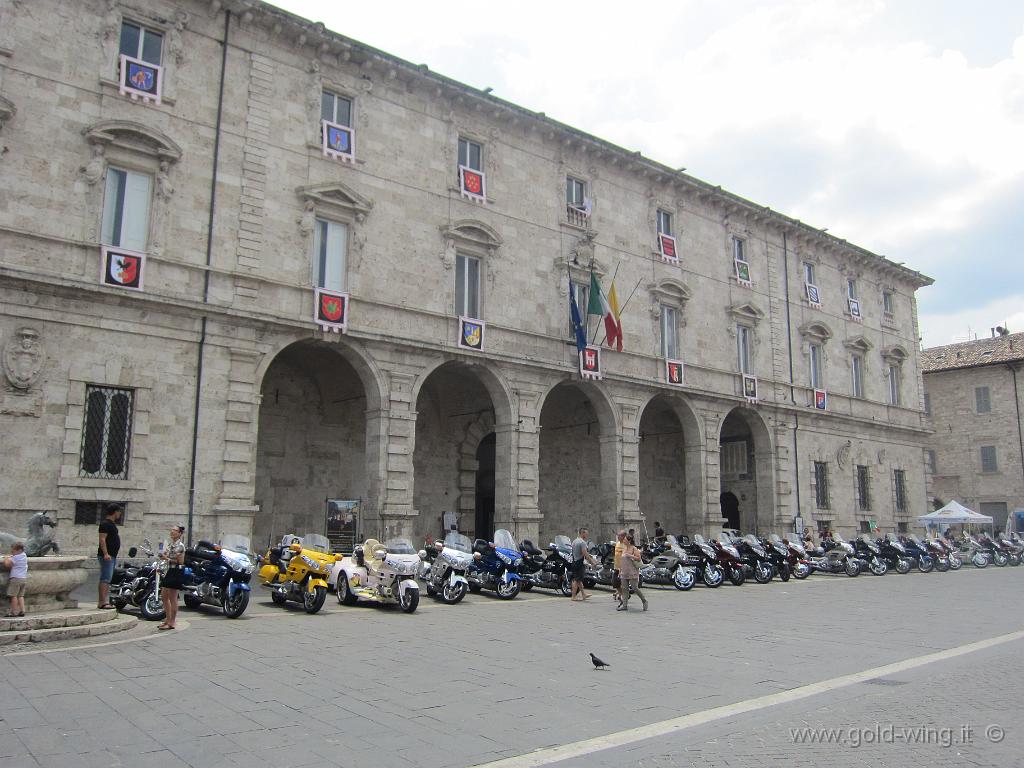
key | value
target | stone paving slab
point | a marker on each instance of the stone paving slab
(472, 683)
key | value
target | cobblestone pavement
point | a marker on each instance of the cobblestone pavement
(488, 680)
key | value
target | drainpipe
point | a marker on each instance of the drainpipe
(206, 282)
(792, 379)
(1020, 436)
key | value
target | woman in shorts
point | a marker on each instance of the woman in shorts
(171, 582)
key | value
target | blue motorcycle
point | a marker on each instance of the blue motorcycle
(496, 566)
(219, 575)
(919, 554)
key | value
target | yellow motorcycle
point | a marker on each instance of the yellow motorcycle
(298, 570)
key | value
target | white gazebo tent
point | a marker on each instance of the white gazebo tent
(952, 514)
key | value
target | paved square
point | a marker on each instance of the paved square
(489, 680)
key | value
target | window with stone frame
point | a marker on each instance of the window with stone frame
(931, 461)
(739, 248)
(820, 478)
(669, 332)
(857, 376)
(989, 462)
(471, 176)
(893, 380)
(467, 286)
(815, 358)
(577, 203)
(336, 125)
(127, 198)
(330, 255)
(982, 399)
(745, 348)
(140, 62)
(106, 433)
(899, 481)
(927, 404)
(471, 154)
(851, 288)
(862, 479)
(581, 292)
(887, 303)
(142, 43)
(734, 457)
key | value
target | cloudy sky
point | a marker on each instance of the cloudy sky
(898, 125)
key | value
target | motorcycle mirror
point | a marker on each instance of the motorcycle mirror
(338, 558)
(423, 554)
(295, 547)
(133, 551)
(379, 554)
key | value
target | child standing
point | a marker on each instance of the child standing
(17, 564)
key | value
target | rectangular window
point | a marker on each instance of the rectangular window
(931, 461)
(857, 376)
(927, 404)
(330, 248)
(865, 526)
(982, 399)
(106, 433)
(669, 333)
(141, 43)
(739, 249)
(336, 109)
(821, 485)
(899, 478)
(664, 223)
(88, 512)
(743, 349)
(126, 200)
(988, 459)
(809, 273)
(863, 488)
(814, 361)
(575, 192)
(734, 458)
(851, 289)
(893, 376)
(581, 292)
(471, 155)
(887, 302)
(467, 286)
(902, 528)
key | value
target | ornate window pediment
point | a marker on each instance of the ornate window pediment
(669, 292)
(816, 332)
(746, 313)
(895, 354)
(473, 234)
(135, 137)
(858, 344)
(336, 198)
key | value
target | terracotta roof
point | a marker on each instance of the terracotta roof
(970, 354)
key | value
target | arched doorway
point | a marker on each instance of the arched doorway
(577, 463)
(746, 472)
(311, 443)
(670, 466)
(460, 454)
(483, 496)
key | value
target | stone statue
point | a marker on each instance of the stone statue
(23, 359)
(39, 542)
(93, 170)
(307, 221)
(174, 42)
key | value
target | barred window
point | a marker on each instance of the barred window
(106, 434)
(863, 488)
(982, 399)
(734, 457)
(821, 485)
(899, 477)
(988, 459)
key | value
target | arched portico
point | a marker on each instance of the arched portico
(746, 468)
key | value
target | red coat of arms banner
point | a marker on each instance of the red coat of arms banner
(121, 268)
(330, 310)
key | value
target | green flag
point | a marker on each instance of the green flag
(594, 305)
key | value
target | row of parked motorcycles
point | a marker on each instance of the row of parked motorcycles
(303, 569)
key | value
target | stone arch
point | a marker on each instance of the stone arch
(133, 136)
(748, 472)
(468, 462)
(489, 376)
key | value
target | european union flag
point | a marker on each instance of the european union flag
(577, 321)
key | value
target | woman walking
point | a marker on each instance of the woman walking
(629, 574)
(171, 582)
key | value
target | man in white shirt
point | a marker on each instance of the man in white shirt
(17, 564)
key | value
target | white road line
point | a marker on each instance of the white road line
(674, 725)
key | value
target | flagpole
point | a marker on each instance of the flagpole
(623, 307)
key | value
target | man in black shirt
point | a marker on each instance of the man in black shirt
(110, 545)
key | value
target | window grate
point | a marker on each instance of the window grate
(863, 489)
(821, 500)
(106, 433)
(900, 480)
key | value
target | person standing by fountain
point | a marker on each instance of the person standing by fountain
(17, 564)
(110, 545)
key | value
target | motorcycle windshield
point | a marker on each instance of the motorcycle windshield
(504, 540)
(399, 546)
(724, 538)
(699, 540)
(235, 543)
(562, 543)
(317, 542)
(459, 541)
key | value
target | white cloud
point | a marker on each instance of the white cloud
(955, 324)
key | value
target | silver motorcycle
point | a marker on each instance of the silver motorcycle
(446, 575)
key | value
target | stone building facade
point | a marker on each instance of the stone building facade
(171, 203)
(973, 395)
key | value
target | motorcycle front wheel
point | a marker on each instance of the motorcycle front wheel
(925, 567)
(852, 567)
(452, 593)
(314, 601)
(508, 590)
(801, 570)
(955, 563)
(713, 576)
(979, 561)
(345, 595)
(879, 567)
(278, 598)
(408, 601)
(566, 585)
(999, 559)
(737, 577)
(763, 573)
(234, 607)
(152, 609)
(683, 579)
(902, 565)
(1014, 559)
(941, 565)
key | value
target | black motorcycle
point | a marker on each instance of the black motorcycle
(138, 586)
(219, 575)
(550, 570)
(778, 556)
(894, 554)
(870, 555)
(754, 556)
(708, 568)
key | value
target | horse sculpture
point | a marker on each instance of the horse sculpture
(39, 541)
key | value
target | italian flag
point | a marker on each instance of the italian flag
(606, 305)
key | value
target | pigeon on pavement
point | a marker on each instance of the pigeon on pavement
(598, 664)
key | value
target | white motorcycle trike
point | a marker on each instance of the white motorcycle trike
(379, 573)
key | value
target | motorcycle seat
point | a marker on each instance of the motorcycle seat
(119, 574)
(529, 548)
(203, 550)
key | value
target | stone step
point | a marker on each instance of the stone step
(55, 619)
(105, 626)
